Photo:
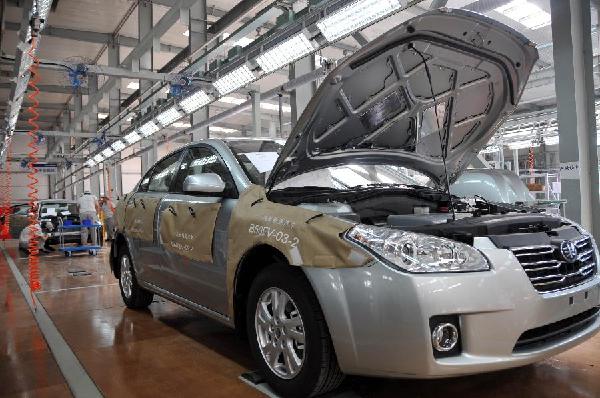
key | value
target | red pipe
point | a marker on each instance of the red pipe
(34, 226)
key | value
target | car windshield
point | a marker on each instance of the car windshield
(257, 157)
(358, 175)
(54, 209)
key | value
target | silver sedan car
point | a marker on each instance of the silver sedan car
(332, 260)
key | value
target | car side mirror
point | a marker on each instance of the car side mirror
(203, 183)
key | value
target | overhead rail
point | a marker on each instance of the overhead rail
(35, 16)
(312, 29)
(134, 137)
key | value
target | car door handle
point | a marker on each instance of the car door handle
(172, 210)
(192, 212)
(142, 203)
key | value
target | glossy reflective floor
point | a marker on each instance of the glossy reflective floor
(171, 351)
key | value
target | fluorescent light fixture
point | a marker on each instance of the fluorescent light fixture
(522, 144)
(525, 13)
(102, 115)
(132, 137)
(217, 129)
(118, 146)
(168, 116)
(518, 133)
(148, 128)
(98, 158)
(133, 85)
(232, 100)
(243, 42)
(233, 80)
(355, 16)
(182, 125)
(285, 53)
(195, 101)
(108, 152)
(90, 163)
(43, 8)
(490, 149)
(275, 107)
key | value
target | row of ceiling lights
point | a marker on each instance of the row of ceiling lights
(344, 21)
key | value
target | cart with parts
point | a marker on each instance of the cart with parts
(69, 250)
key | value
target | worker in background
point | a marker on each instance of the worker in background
(108, 211)
(37, 230)
(88, 210)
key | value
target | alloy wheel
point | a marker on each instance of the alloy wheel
(280, 333)
(126, 276)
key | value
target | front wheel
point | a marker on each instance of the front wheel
(133, 295)
(288, 334)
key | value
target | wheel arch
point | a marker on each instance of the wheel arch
(118, 242)
(252, 263)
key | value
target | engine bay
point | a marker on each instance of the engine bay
(420, 209)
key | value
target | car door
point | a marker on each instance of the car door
(18, 220)
(140, 216)
(193, 231)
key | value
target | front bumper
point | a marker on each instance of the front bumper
(379, 318)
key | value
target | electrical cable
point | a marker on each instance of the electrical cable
(443, 139)
(34, 226)
(6, 195)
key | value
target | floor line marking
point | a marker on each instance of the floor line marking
(74, 288)
(79, 381)
(262, 387)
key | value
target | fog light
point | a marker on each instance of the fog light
(444, 337)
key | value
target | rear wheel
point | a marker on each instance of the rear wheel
(288, 335)
(133, 295)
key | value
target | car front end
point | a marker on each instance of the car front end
(528, 302)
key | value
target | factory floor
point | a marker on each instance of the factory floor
(171, 351)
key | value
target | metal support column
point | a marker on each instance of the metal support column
(198, 37)
(256, 122)
(516, 161)
(146, 63)
(272, 128)
(77, 105)
(300, 96)
(93, 127)
(572, 50)
(114, 101)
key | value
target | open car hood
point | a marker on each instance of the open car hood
(378, 106)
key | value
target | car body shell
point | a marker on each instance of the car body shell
(378, 316)
(193, 248)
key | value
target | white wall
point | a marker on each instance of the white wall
(131, 171)
(19, 180)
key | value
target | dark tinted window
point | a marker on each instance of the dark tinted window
(163, 173)
(204, 160)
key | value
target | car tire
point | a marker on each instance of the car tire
(133, 295)
(318, 371)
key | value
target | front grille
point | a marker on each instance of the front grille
(556, 331)
(548, 270)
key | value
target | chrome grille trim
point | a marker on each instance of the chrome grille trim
(548, 271)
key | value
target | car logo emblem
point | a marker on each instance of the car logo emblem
(569, 251)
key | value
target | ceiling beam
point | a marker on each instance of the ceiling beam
(161, 27)
(50, 88)
(93, 37)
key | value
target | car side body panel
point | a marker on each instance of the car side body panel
(305, 237)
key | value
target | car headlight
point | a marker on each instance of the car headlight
(418, 253)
